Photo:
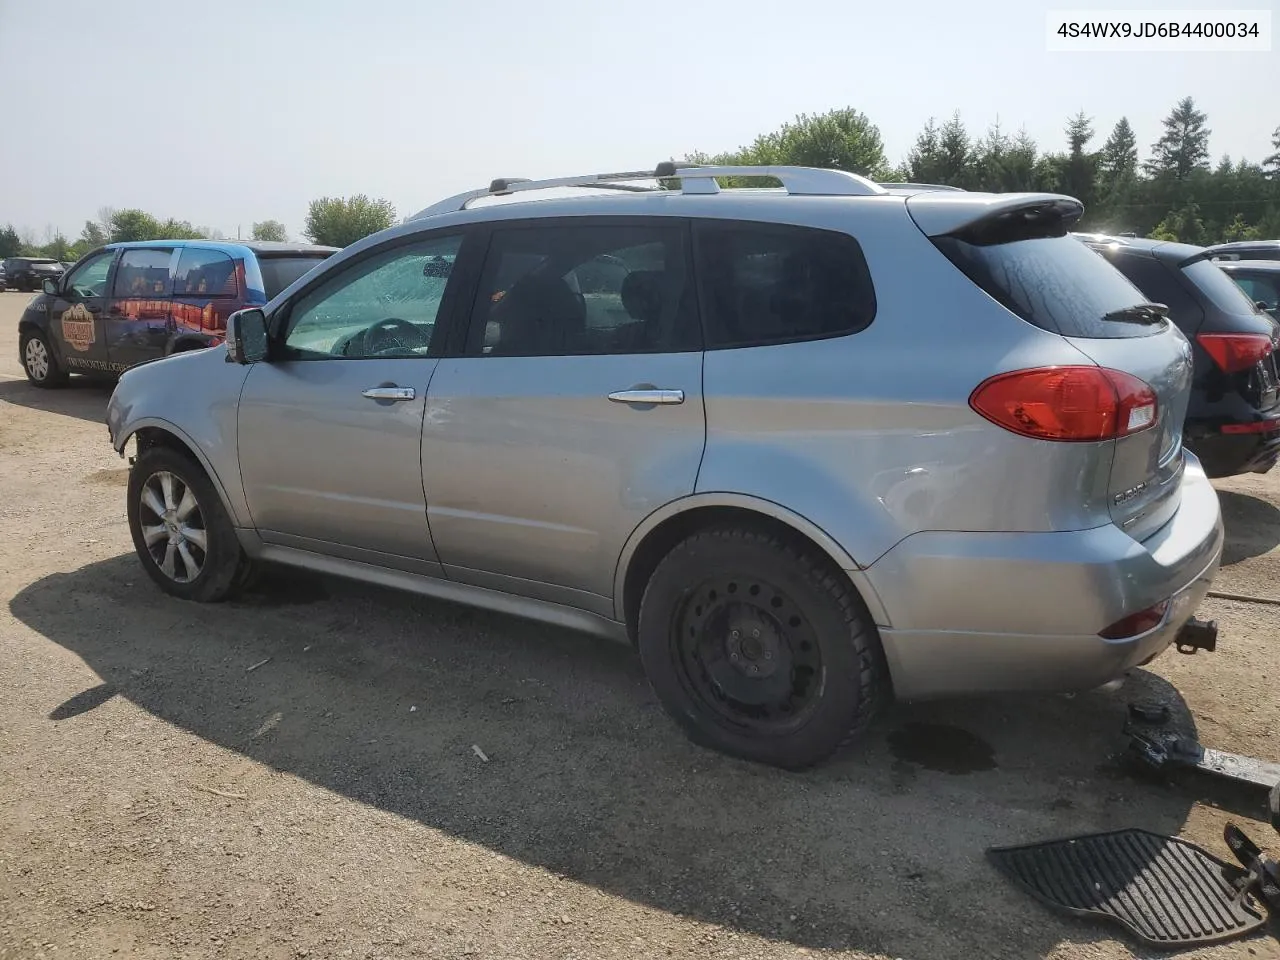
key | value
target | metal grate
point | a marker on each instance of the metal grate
(1165, 891)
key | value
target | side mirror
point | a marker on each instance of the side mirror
(51, 286)
(1261, 305)
(247, 336)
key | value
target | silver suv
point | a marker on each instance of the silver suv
(807, 448)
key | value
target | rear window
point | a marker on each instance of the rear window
(1222, 291)
(1056, 283)
(279, 272)
(765, 283)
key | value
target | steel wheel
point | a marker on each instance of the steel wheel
(36, 359)
(173, 526)
(749, 654)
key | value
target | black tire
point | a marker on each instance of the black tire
(222, 568)
(54, 375)
(827, 677)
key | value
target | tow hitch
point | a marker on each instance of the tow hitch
(1197, 635)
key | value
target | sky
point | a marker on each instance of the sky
(223, 113)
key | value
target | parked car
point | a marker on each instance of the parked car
(1233, 422)
(810, 449)
(1246, 250)
(126, 303)
(28, 273)
(1260, 281)
(4, 277)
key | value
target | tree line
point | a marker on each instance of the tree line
(331, 221)
(1175, 193)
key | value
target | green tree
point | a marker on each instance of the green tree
(1118, 161)
(1183, 225)
(1237, 229)
(10, 242)
(1079, 172)
(172, 229)
(59, 248)
(341, 221)
(955, 154)
(91, 236)
(924, 162)
(270, 230)
(133, 224)
(1183, 148)
(1272, 164)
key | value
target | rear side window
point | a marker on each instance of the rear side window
(205, 273)
(1161, 284)
(1221, 290)
(1260, 288)
(1056, 283)
(143, 272)
(279, 272)
(584, 289)
(765, 283)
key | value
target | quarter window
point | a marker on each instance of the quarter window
(143, 272)
(89, 279)
(771, 284)
(584, 290)
(205, 273)
(384, 306)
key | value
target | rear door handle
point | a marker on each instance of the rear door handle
(389, 393)
(647, 396)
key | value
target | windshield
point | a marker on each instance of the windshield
(1221, 290)
(279, 272)
(1057, 283)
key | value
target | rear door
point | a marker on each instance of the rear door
(138, 314)
(575, 410)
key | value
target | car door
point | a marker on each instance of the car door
(137, 318)
(574, 411)
(330, 428)
(76, 314)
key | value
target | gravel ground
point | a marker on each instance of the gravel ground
(160, 798)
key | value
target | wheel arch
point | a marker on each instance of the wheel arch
(158, 433)
(667, 526)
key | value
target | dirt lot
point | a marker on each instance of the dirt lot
(160, 799)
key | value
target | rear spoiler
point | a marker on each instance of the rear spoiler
(978, 215)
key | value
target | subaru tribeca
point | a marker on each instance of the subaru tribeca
(807, 448)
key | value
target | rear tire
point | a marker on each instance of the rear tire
(181, 531)
(760, 648)
(38, 360)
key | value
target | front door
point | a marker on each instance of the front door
(76, 315)
(138, 314)
(575, 412)
(330, 428)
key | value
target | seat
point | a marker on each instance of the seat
(539, 315)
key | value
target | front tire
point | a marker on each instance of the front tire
(760, 648)
(38, 360)
(181, 531)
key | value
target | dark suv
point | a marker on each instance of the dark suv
(128, 302)
(28, 273)
(1233, 421)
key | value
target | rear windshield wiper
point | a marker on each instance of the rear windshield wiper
(1139, 313)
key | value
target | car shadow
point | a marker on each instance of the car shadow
(381, 696)
(83, 397)
(1252, 526)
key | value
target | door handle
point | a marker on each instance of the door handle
(647, 396)
(389, 393)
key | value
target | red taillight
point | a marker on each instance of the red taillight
(1067, 403)
(1136, 623)
(1234, 352)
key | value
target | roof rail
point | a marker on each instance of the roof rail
(694, 178)
(919, 186)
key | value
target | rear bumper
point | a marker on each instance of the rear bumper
(986, 612)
